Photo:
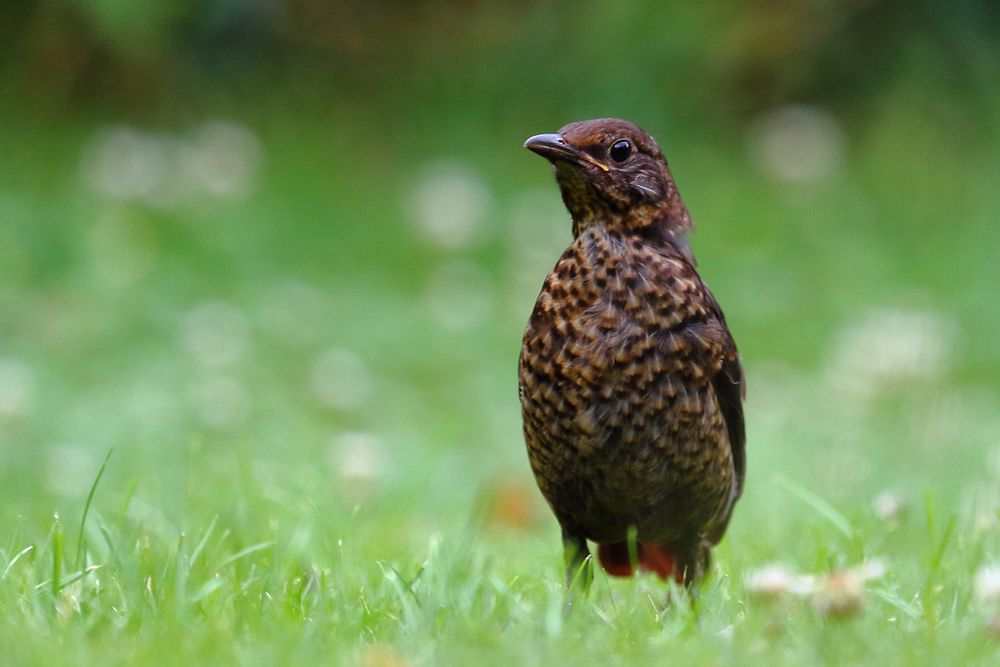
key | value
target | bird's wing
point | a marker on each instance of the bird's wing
(730, 389)
(728, 381)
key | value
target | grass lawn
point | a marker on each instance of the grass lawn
(304, 371)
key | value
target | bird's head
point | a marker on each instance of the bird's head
(611, 172)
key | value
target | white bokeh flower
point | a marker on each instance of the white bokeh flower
(889, 348)
(357, 456)
(796, 143)
(986, 584)
(124, 163)
(222, 402)
(216, 333)
(340, 379)
(17, 388)
(450, 202)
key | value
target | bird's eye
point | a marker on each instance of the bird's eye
(620, 150)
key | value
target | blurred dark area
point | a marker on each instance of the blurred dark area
(732, 59)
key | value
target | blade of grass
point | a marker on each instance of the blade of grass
(911, 611)
(206, 589)
(244, 553)
(13, 539)
(202, 542)
(86, 507)
(14, 560)
(821, 507)
(407, 585)
(70, 578)
(57, 557)
(938, 554)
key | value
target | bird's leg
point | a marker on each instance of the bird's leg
(579, 568)
(694, 565)
(691, 570)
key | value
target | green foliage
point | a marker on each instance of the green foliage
(291, 301)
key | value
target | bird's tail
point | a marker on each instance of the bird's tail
(616, 560)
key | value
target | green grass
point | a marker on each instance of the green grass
(313, 415)
(340, 589)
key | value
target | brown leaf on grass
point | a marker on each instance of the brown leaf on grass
(511, 504)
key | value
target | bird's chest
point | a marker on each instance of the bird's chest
(605, 360)
(615, 379)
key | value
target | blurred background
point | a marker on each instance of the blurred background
(279, 254)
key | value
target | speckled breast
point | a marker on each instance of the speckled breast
(621, 421)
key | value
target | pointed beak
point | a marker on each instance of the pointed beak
(553, 147)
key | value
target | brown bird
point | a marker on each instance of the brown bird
(630, 383)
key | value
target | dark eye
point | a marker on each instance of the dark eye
(620, 150)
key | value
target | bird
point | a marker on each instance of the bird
(631, 386)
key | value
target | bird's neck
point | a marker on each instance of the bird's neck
(665, 224)
(667, 219)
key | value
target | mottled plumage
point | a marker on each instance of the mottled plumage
(630, 382)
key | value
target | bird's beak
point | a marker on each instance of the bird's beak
(553, 147)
